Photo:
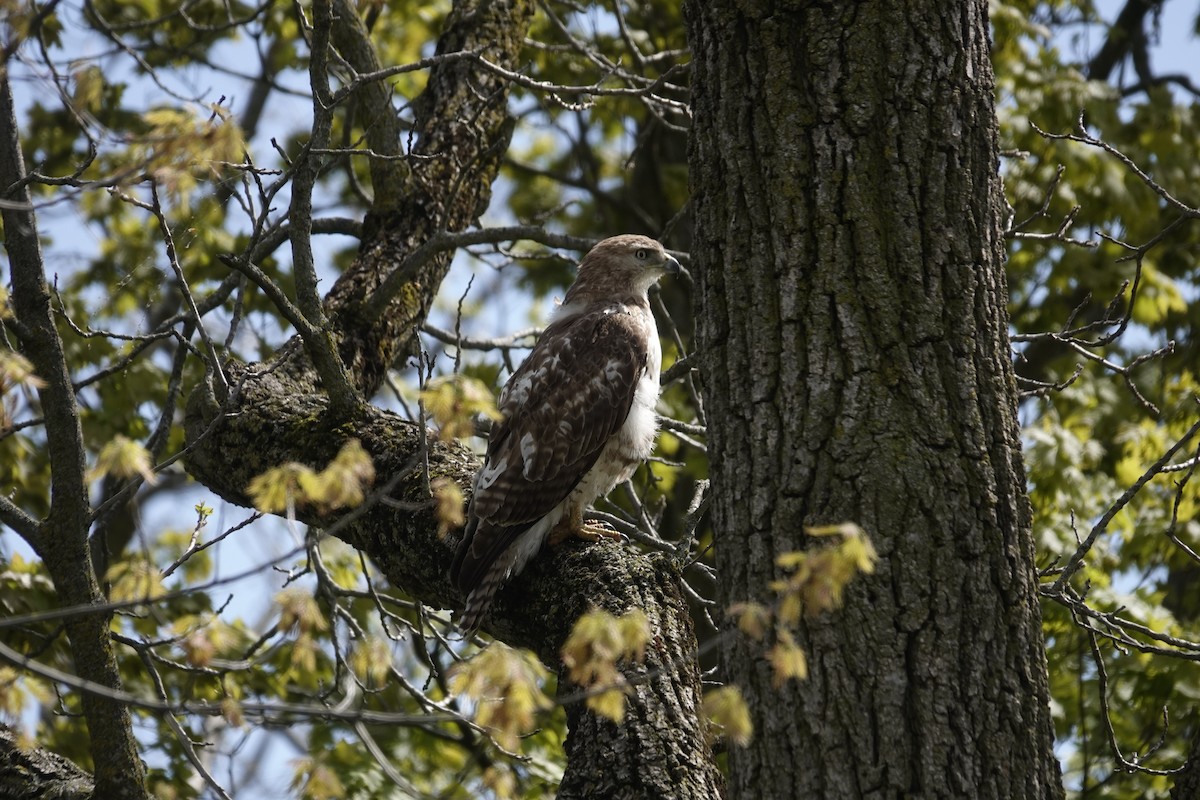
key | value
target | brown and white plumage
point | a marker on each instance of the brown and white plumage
(578, 418)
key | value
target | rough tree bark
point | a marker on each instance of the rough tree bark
(278, 412)
(1187, 782)
(34, 774)
(851, 318)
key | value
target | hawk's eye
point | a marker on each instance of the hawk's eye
(641, 254)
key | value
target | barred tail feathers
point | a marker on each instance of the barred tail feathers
(479, 601)
(505, 565)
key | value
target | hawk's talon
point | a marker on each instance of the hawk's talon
(588, 531)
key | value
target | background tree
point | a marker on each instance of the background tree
(212, 313)
(1102, 274)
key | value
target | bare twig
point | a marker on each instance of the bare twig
(1076, 560)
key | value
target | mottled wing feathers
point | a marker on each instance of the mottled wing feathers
(572, 393)
(560, 408)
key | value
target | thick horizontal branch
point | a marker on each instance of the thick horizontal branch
(31, 773)
(536, 610)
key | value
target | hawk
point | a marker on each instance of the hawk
(578, 418)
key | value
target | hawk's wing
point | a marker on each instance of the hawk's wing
(560, 408)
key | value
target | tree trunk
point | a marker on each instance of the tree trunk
(1187, 782)
(851, 317)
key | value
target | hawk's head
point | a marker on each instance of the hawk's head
(622, 265)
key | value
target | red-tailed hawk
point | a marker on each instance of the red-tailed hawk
(578, 418)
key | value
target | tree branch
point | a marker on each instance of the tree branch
(320, 343)
(1124, 33)
(535, 611)
(25, 525)
(31, 773)
(120, 772)
(389, 177)
(40, 341)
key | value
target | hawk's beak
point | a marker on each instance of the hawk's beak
(671, 265)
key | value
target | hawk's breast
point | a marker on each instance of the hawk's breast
(633, 442)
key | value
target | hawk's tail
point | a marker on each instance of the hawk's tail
(479, 601)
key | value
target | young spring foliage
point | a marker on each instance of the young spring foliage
(505, 684)
(453, 401)
(342, 484)
(598, 643)
(815, 582)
